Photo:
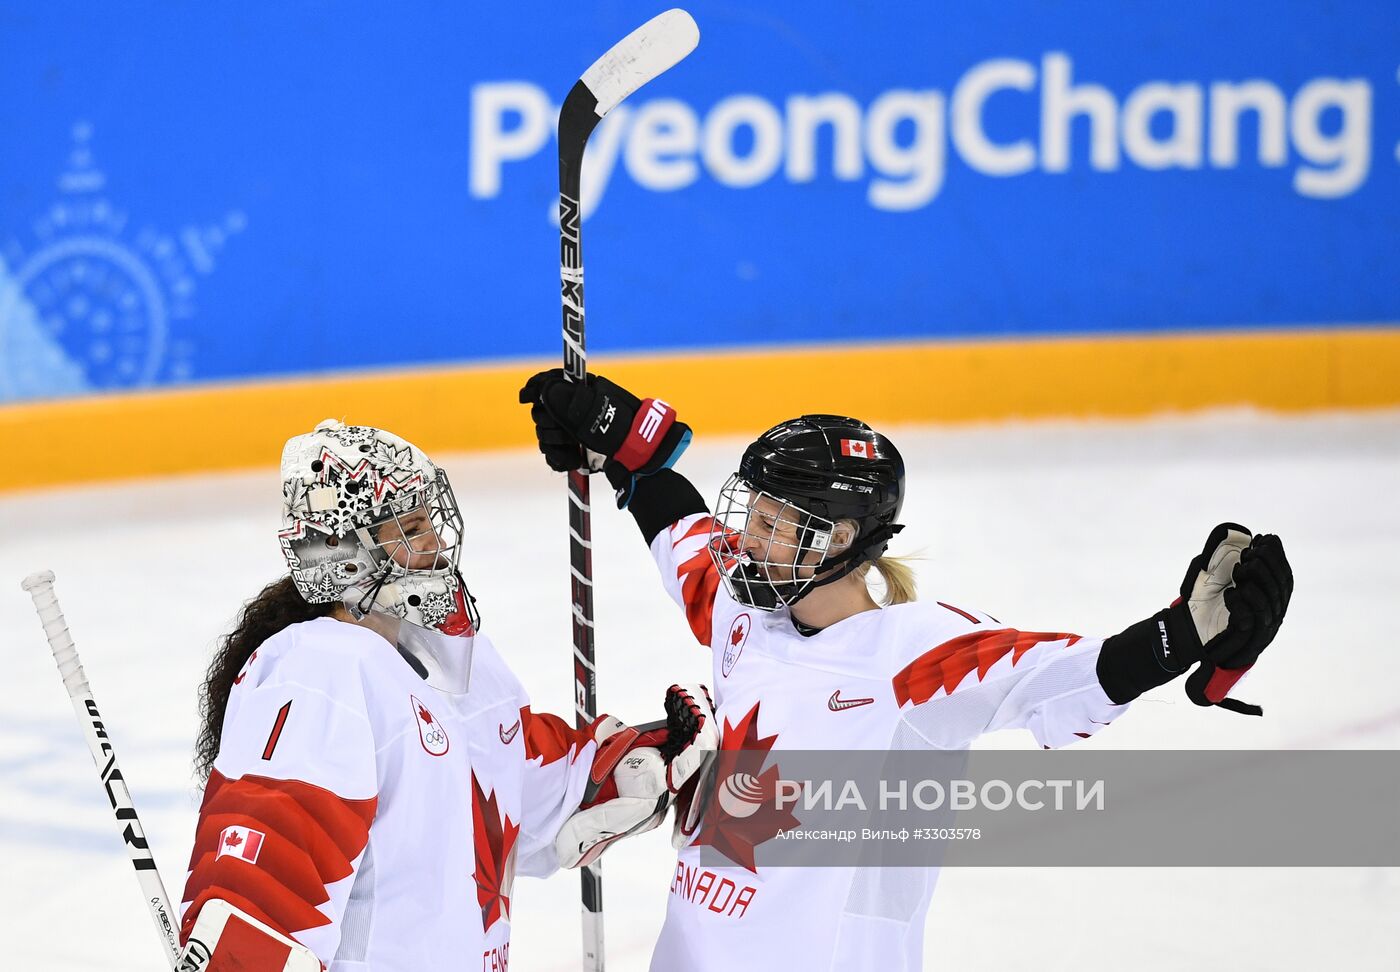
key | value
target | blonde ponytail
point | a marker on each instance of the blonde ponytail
(896, 576)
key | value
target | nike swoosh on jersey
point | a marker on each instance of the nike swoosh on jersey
(836, 703)
(508, 736)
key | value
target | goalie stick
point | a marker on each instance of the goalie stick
(218, 920)
(65, 654)
(639, 57)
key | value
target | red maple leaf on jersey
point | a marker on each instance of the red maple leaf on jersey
(947, 665)
(232, 840)
(699, 580)
(743, 752)
(425, 715)
(244, 674)
(494, 836)
(737, 635)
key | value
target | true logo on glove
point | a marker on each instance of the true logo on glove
(652, 420)
(605, 418)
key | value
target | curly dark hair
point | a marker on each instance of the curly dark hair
(276, 606)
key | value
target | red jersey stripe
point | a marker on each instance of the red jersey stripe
(289, 803)
(240, 902)
(958, 610)
(255, 891)
(549, 737)
(946, 665)
(312, 838)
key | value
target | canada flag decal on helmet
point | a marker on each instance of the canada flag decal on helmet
(734, 644)
(430, 732)
(856, 447)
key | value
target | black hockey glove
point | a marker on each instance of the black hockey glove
(1232, 603)
(597, 425)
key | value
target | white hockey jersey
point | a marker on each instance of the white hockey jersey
(912, 676)
(372, 817)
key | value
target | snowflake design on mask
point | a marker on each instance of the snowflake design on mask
(344, 572)
(352, 482)
(435, 608)
(340, 520)
(351, 435)
(355, 497)
(323, 588)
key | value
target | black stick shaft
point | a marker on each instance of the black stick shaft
(639, 57)
(576, 121)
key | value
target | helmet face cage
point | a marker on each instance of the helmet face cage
(768, 549)
(415, 542)
(371, 522)
(417, 533)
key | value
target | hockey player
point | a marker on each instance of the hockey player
(376, 776)
(774, 583)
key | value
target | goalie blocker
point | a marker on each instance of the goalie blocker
(225, 939)
(638, 773)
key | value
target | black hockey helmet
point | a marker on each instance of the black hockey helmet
(833, 466)
(828, 468)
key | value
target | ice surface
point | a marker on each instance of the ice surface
(1051, 526)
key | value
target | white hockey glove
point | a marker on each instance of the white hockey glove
(636, 774)
(226, 938)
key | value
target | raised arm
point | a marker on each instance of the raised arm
(992, 677)
(1063, 687)
(1232, 602)
(635, 442)
(603, 426)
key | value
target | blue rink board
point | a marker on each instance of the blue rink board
(192, 194)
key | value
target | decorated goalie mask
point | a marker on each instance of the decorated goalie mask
(369, 521)
(813, 499)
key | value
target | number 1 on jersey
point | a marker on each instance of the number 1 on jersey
(277, 730)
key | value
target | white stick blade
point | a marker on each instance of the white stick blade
(650, 50)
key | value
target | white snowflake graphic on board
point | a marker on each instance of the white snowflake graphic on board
(89, 305)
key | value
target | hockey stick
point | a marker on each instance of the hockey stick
(639, 57)
(40, 588)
